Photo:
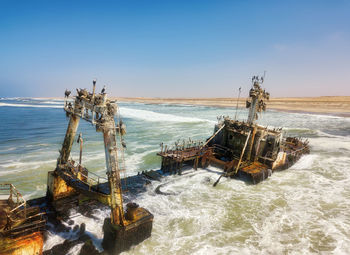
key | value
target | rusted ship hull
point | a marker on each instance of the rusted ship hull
(21, 225)
(241, 149)
(28, 244)
(116, 239)
(253, 172)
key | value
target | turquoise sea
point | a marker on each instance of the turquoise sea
(303, 210)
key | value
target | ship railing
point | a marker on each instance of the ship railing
(93, 181)
(15, 199)
(293, 151)
(181, 152)
(90, 179)
(33, 223)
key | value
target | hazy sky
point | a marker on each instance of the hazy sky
(174, 48)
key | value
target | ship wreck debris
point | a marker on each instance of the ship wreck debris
(24, 225)
(124, 228)
(241, 148)
(21, 225)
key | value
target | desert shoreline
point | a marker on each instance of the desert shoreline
(328, 105)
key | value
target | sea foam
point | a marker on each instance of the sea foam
(157, 117)
(30, 105)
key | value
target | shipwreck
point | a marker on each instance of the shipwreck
(241, 148)
(124, 228)
(24, 224)
(21, 225)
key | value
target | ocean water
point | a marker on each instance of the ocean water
(303, 210)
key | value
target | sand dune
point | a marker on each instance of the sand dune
(335, 105)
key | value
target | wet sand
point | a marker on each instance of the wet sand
(332, 105)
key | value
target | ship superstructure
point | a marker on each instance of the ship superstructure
(240, 148)
(123, 228)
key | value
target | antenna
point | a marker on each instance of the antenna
(93, 87)
(239, 94)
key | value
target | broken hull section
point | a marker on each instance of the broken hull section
(253, 166)
(21, 224)
(27, 244)
(241, 149)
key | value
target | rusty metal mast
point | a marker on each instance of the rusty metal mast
(257, 95)
(99, 111)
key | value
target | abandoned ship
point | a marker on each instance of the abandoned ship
(241, 148)
(71, 185)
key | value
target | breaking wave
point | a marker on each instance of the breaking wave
(30, 105)
(53, 102)
(157, 117)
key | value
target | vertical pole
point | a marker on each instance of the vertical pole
(239, 95)
(11, 192)
(252, 111)
(81, 148)
(93, 90)
(68, 139)
(243, 150)
(251, 142)
(109, 136)
(93, 101)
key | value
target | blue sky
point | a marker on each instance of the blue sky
(177, 48)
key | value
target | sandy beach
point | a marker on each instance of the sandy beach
(333, 105)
